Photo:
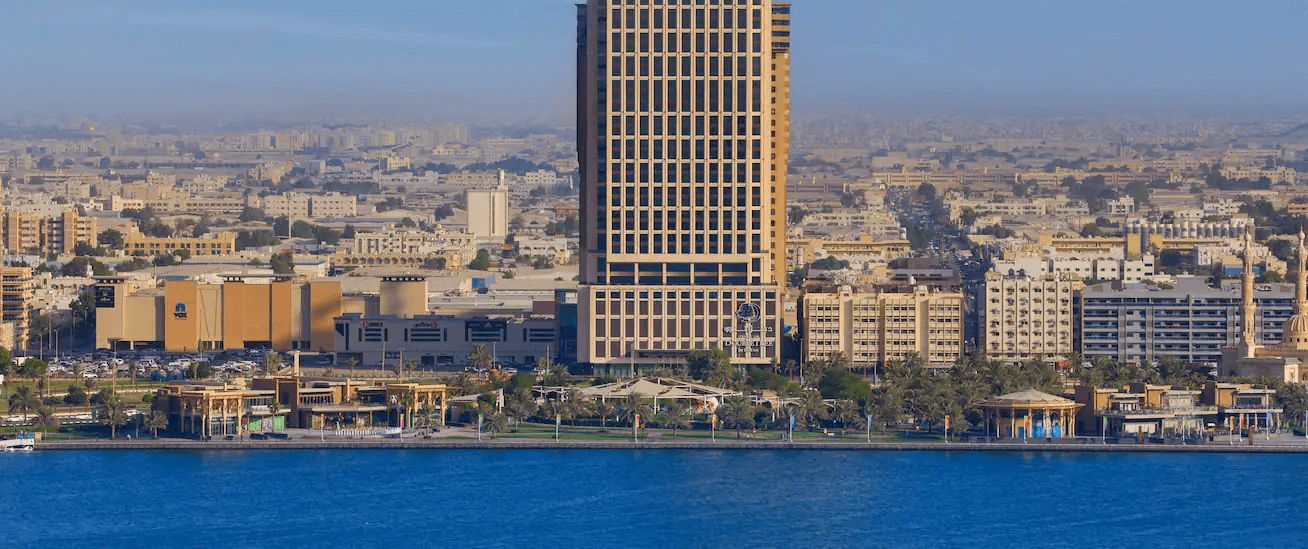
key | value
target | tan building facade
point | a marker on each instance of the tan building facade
(141, 244)
(872, 327)
(46, 235)
(187, 315)
(1028, 316)
(16, 305)
(683, 129)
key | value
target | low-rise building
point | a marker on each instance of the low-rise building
(141, 244)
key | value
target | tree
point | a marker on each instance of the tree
(632, 406)
(155, 421)
(844, 384)
(481, 262)
(351, 363)
(736, 412)
(270, 362)
(45, 417)
(165, 260)
(676, 416)
(443, 211)
(434, 264)
(76, 395)
(846, 412)
(252, 214)
(113, 413)
(713, 366)
(521, 403)
(495, 423)
(603, 408)
(24, 400)
(481, 357)
(811, 409)
(282, 263)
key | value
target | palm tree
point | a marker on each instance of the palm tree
(495, 423)
(736, 412)
(273, 407)
(351, 363)
(113, 413)
(155, 421)
(632, 406)
(812, 409)
(577, 405)
(521, 403)
(846, 412)
(676, 416)
(25, 400)
(481, 357)
(603, 409)
(45, 417)
(270, 362)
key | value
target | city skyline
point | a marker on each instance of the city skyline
(242, 60)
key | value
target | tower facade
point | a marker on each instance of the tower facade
(683, 134)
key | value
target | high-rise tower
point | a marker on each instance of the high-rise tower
(683, 123)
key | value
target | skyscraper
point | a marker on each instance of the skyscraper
(683, 131)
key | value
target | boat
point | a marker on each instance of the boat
(18, 442)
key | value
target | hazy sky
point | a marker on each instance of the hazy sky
(513, 59)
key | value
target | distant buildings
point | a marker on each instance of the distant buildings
(302, 206)
(45, 235)
(488, 212)
(140, 244)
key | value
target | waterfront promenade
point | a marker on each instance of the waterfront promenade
(1275, 446)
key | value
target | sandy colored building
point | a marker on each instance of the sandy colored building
(141, 244)
(45, 235)
(186, 315)
(683, 180)
(881, 324)
(1028, 316)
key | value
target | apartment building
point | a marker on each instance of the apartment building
(876, 325)
(299, 205)
(16, 304)
(1138, 323)
(46, 234)
(1026, 316)
(683, 135)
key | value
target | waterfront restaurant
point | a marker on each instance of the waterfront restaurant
(277, 402)
(1030, 414)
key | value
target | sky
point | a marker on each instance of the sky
(513, 60)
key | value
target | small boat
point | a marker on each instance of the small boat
(18, 442)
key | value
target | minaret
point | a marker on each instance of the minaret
(1246, 300)
(1300, 280)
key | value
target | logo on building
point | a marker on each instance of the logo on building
(748, 312)
(179, 311)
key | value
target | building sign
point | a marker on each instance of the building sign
(179, 312)
(749, 335)
(104, 296)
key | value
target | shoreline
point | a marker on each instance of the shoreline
(725, 444)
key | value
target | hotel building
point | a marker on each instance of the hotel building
(683, 134)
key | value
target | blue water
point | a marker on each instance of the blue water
(648, 498)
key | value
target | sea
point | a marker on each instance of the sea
(649, 498)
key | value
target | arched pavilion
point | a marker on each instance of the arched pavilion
(1030, 414)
